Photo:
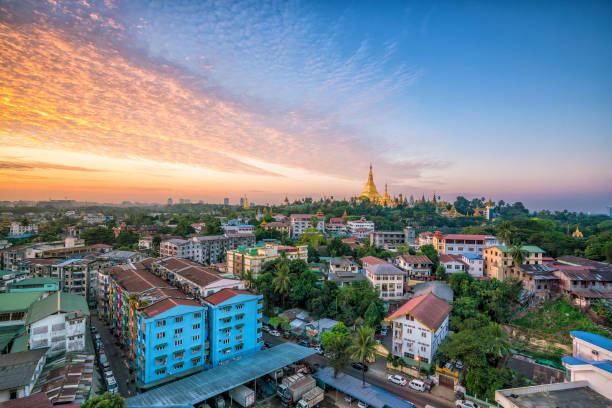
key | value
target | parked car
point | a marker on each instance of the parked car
(417, 385)
(348, 399)
(108, 375)
(466, 404)
(429, 383)
(266, 329)
(358, 366)
(275, 333)
(397, 379)
(93, 329)
(304, 343)
(319, 349)
(383, 331)
(362, 404)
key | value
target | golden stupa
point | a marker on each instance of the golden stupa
(577, 233)
(386, 200)
(369, 190)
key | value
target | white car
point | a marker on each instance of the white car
(362, 404)
(466, 404)
(275, 333)
(397, 379)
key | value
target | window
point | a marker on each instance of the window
(239, 307)
(161, 323)
(196, 337)
(226, 341)
(179, 355)
(160, 360)
(178, 319)
(178, 366)
(423, 348)
(196, 326)
(160, 371)
(160, 347)
(197, 315)
(227, 309)
(161, 335)
(227, 320)
(178, 342)
(423, 334)
(196, 361)
(178, 332)
(240, 317)
(239, 347)
(196, 349)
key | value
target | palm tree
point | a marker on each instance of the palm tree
(363, 348)
(249, 279)
(518, 254)
(498, 341)
(337, 352)
(282, 281)
(504, 231)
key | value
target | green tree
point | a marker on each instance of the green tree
(363, 348)
(98, 235)
(213, 227)
(440, 272)
(126, 238)
(373, 315)
(430, 252)
(504, 231)
(282, 281)
(336, 343)
(106, 400)
(518, 254)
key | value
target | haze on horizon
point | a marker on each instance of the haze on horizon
(141, 101)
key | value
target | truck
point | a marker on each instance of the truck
(311, 398)
(293, 392)
(243, 396)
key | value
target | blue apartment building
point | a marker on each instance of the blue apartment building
(172, 341)
(234, 325)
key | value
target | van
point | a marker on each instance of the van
(417, 385)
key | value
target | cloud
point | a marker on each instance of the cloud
(22, 166)
(210, 85)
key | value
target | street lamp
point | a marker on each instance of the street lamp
(418, 359)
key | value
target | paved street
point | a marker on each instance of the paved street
(377, 376)
(116, 357)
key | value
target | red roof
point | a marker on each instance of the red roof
(38, 400)
(167, 304)
(101, 246)
(372, 260)
(225, 294)
(337, 220)
(466, 236)
(444, 258)
(427, 309)
(415, 259)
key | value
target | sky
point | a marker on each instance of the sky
(144, 100)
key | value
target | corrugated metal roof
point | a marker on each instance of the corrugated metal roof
(199, 387)
(593, 339)
(371, 395)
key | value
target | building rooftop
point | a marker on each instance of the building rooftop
(167, 304)
(593, 339)
(18, 302)
(385, 269)
(56, 303)
(17, 369)
(35, 281)
(372, 260)
(225, 294)
(38, 400)
(526, 248)
(415, 259)
(428, 309)
(199, 387)
(8, 333)
(470, 237)
(576, 394)
(577, 261)
(472, 257)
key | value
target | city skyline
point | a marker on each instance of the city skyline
(112, 101)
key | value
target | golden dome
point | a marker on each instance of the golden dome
(369, 190)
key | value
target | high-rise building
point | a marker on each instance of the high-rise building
(242, 201)
(226, 201)
(170, 202)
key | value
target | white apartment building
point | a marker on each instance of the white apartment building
(95, 218)
(19, 373)
(58, 322)
(214, 247)
(453, 263)
(145, 243)
(475, 264)
(339, 265)
(18, 229)
(360, 228)
(416, 265)
(238, 229)
(182, 248)
(300, 222)
(388, 279)
(459, 244)
(419, 327)
(591, 361)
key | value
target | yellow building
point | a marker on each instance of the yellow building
(242, 260)
(498, 263)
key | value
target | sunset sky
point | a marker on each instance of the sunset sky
(141, 101)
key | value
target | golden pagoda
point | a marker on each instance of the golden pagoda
(369, 190)
(385, 199)
(246, 204)
(577, 233)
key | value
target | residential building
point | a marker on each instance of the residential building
(198, 227)
(419, 327)
(453, 263)
(497, 259)
(214, 247)
(19, 373)
(18, 228)
(14, 307)
(34, 400)
(235, 325)
(336, 226)
(145, 243)
(417, 266)
(538, 280)
(163, 329)
(39, 267)
(360, 228)
(367, 261)
(284, 227)
(424, 238)
(181, 248)
(591, 361)
(9, 277)
(568, 394)
(194, 279)
(94, 219)
(388, 279)
(300, 222)
(58, 322)
(238, 228)
(241, 260)
(35, 285)
(584, 284)
(341, 265)
(463, 243)
(387, 239)
(475, 264)
(110, 258)
(78, 275)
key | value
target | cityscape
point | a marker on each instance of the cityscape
(221, 204)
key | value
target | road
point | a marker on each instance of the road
(418, 398)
